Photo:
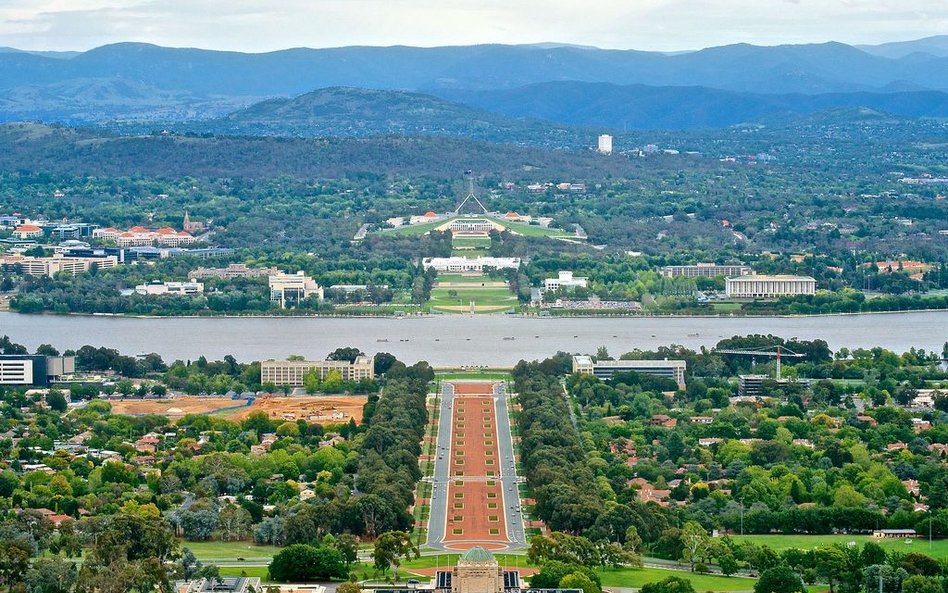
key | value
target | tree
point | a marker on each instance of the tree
(391, 548)
(348, 546)
(669, 585)
(293, 564)
(350, 587)
(779, 579)
(633, 541)
(578, 580)
(921, 584)
(891, 578)
(695, 541)
(51, 575)
(727, 562)
(346, 354)
(831, 563)
(311, 381)
(56, 400)
(383, 362)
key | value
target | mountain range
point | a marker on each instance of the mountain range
(271, 93)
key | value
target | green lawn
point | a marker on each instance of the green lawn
(245, 571)
(486, 299)
(726, 307)
(939, 548)
(527, 230)
(470, 242)
(230, 550)
(449, 560)
(414, 229)
(636, 577)
(473, 375)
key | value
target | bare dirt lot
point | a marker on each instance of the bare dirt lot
(321, 409)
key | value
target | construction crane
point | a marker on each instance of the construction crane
(775, 351)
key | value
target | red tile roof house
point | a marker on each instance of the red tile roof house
(663, 420)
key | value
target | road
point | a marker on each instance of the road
(438, 507)
(516, 531)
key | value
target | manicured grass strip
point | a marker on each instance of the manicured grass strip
(939, 548)
(636, 577)
(245, 571)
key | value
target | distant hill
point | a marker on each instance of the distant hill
(643, 107)
(933, 46)
(353, 112)
(85, 151)
(141, 82)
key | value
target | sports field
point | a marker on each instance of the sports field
(939, 547)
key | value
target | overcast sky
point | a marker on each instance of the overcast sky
(260, 25)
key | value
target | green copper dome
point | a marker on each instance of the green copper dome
(477, 554)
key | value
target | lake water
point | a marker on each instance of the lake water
(457, 340)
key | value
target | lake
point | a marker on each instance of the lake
(457, 340)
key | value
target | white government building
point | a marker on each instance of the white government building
(747, 287)
(162, 288)
(606, 369)
(565, 279)
(292, 372)
(470, 264)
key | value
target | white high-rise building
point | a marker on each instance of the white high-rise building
(605, 144)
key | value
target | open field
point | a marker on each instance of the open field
(636, 577)
(939, 548)
(211, 551)
(324, 409)
(454, 292)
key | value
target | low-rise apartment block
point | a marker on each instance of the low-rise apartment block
(292, 372)
(50, 266)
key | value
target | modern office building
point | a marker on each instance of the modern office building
(470, 264)
(34, 370)
(754, 385)
(164, 288)
(605, 144)
(707, 270)
(605, 369)
(292, 372)
(290, 289)
(564, 279)
(50, 266)
(749, 287)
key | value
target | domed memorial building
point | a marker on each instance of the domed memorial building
(477, 571)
